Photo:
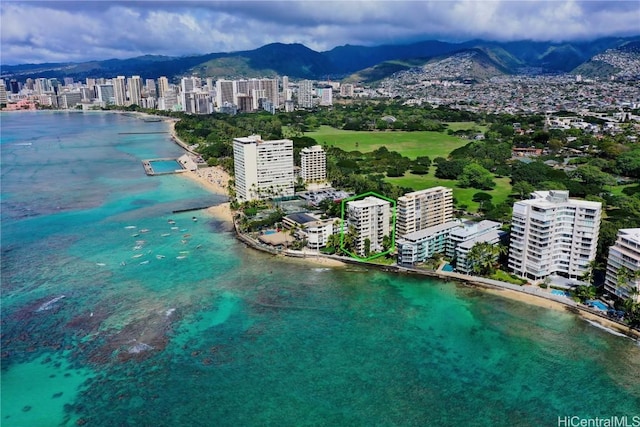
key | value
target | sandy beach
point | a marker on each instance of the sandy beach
(543, 302)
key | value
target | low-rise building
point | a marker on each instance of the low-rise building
(421, 245)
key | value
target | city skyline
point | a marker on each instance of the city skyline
(97, 30)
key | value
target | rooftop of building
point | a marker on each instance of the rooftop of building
(632, 234)
(557, 197)
(469, 228)
(368, 202)
(490, 236)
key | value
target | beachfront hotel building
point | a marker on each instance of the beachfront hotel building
(624, 254)
(370, 217)
(424, 209)
(263, 169)
(552, 234)
(313, 164)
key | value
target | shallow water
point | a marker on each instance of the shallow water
(185, 326)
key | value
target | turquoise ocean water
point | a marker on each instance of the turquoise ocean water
(113, 315)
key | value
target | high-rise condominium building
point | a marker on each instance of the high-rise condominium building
(120, 90)
(305, 94)
(135, 90)
(423, 209)
(163, 86)
(553, 234)
(226, 92)
(263, 169)
(370, 217)
(313, 164)
(623, 266)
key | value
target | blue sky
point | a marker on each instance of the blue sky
(60, 31)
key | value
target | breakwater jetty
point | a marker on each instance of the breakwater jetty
(140, 133)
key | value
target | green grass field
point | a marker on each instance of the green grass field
(463, 196)
(454, 126)
(410, 144)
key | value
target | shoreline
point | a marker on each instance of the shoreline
(216, 180)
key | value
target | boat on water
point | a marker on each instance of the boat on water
(159, 256)
(144, 230)
(101, 264)
(194, 219)
(135, 235)
(174, 228)
(137, 256)
(171, 221)
(165, 234)
(144, 262)
(181, 257)
(129, 227)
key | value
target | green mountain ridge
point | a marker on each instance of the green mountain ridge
(299, 62)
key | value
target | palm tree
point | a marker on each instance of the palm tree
(589, 274)
(482, 258)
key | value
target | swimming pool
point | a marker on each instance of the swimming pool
(447, 267)
(597, 304)
(165, 166)
(560, 293)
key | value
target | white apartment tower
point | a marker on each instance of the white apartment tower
(313, 164)
(305, 94)
(424, 209)
(625, 253)
(163, 86)
(226, 92)
(553, 234)
(370, 217)
(263, 169)
(135, 90)
(120, 90)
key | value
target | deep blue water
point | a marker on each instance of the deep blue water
(111, 316)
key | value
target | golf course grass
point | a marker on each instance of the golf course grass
(462, 196)
(410, 144)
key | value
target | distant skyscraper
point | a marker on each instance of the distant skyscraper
(150, 87)
(226, 92)
(135, 90)
(305, 94)
(163, 86)
(286, 94)
(3, 94)
(326, 96)
(120, 90)
(105, 93)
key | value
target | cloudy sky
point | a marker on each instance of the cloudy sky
(59, 31)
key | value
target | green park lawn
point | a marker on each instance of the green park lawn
(454, 126)
(463, 196)
(410, 144)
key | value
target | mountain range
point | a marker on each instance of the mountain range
(355, 63)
